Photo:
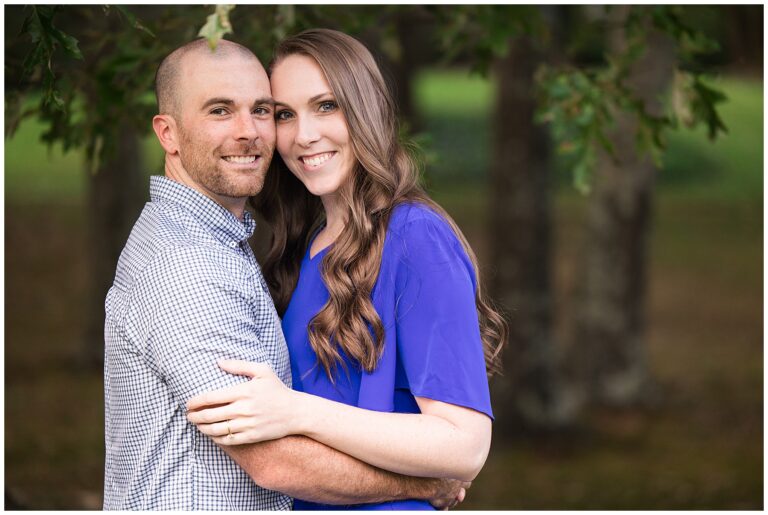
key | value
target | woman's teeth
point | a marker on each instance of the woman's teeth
(318, 159)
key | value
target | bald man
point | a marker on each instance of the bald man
(187, 292)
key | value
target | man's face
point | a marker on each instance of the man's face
(226, 124)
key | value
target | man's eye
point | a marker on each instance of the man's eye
(261, 111)
(219, 111)
(327, 106)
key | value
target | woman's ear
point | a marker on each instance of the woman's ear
(165, 128)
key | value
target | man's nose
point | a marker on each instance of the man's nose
(246, 127)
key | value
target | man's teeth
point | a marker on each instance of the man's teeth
(318, 159)
(242, 160)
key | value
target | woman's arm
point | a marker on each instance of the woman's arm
(445, 440)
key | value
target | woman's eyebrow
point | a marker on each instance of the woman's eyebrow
(313, 99)
(318, 97)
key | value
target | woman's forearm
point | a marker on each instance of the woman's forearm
(427, 445)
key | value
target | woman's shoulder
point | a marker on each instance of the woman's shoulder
(414, 216)
(415, 229)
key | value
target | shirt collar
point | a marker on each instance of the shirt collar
(221, 223)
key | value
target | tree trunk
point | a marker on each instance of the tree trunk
(412, 31)
(520, 249)
(609, 330)
(745, 37)
(116, 193)
(411, 28)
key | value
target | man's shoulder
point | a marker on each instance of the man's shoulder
(167, 244)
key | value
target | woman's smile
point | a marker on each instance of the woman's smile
(315, 161)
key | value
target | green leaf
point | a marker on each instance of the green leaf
(217, 25)
(133, 21)
(586, 117)
(582, 175)
(67, 42)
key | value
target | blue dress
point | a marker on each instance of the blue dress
(425, 297)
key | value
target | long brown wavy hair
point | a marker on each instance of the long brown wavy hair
(384, 176)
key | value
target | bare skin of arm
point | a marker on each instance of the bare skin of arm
(444, 440)
(303, 468)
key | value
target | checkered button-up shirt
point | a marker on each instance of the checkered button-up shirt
(187, 291)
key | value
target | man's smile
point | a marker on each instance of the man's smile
(241, 160)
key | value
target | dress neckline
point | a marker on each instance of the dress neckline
(312, 240)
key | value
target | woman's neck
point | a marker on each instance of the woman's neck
(335, 218)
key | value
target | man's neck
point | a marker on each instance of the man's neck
(235, 205)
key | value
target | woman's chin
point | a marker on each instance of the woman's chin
(321, 190)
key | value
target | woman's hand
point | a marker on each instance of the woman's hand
(258, 410)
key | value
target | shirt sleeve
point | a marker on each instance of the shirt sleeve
(438, 334)
(198, 313)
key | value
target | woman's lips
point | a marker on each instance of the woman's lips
(314, 161)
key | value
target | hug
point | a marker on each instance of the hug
(350, 369)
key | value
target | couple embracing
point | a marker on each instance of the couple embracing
(352, 371)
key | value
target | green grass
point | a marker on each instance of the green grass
(732, 165)
(457, 133)
(35, 172)
(453, 92)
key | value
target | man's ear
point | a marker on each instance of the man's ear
(165, 128)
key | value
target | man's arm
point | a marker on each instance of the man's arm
(303, 468)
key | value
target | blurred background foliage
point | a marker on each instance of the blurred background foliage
(634, 371)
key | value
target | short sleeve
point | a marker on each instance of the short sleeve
(200, 313)
(438, 334)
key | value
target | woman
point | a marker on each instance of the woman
(383, 313)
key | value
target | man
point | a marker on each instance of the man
(188, 291)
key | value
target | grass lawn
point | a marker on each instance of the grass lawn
(700, 448)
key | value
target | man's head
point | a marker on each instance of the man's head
(216, 121)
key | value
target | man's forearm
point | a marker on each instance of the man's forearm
(308, 470)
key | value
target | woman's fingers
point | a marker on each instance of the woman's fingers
(213, 415)
(245, 368)
(218, 428)
(230, 393)
(217, 397)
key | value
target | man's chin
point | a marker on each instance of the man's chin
(249, 189)
(246, 183)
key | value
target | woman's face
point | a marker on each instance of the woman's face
(312, 135)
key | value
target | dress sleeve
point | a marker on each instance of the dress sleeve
(200, 314)
(438, 334)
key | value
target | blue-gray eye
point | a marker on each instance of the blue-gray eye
(282, 115)
(327, 106)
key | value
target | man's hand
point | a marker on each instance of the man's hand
(448, 493)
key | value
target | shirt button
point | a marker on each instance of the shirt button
(233, 244)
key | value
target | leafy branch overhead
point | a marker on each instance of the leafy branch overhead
(46, 39)
(84, 88)
(110, 66)
(580, 104)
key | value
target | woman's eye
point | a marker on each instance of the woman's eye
(327, 106)
(282, 115)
